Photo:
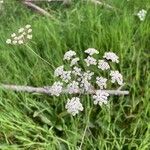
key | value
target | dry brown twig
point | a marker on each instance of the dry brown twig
(65, 2)
(37, 8)
(31, 4)
(46, 90)
(97, 2)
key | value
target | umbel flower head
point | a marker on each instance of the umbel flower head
(91, 51)
(75, 80)
(22, 36)
(142, 14)
(100, 97)
(56, 88)
(74, 106)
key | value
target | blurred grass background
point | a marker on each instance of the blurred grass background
(33, 121)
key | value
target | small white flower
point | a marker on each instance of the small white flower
(28, 26)
(74, 106)
(24, 33)
(111, 56)
(85, 85)
(116, 77)
(59, 71)
(15, 38)
(13, 35)
(90, 61)
(101, 82)
(73, 87)
(19, 37)
(84, 80)
(1, 1)
(76, 71)
(102, 64)
(87, 75)
(29, 30)
(29, 36)
(142, 14)
(8, 41)
(91, 51)
(66, 76)
(74, 61)
(56, 88)
(20, 30)
(14, 42)
(20, 42)
(69, 54)
(100, 97)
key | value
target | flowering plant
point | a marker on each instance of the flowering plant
(23, 35)
(142, 14)
(76, 80)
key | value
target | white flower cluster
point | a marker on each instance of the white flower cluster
(59, 71)
(142, 14)
(73, 87)
(116, 77)
(91, 51)
(1, 2)
(74, 105)
(74, 61)
(69, 55)
(21, 36)
(56, 88)
(76, 80)
(90, 61)
(102, 64)
(76, 71)
(64, 75)
(100, 97)
(101, 82)
(85, 81)
(111, 56)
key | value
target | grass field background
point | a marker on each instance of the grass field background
(34, 121)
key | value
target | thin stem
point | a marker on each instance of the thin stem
(85, 130)
(86, 127)
(40, 56)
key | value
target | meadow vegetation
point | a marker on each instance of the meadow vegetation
(36, 121)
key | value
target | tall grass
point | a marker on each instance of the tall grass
(33, 121)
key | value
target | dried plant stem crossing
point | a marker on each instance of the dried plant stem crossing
(37, 8)
(47, 90)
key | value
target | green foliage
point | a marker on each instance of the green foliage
(33, 121)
